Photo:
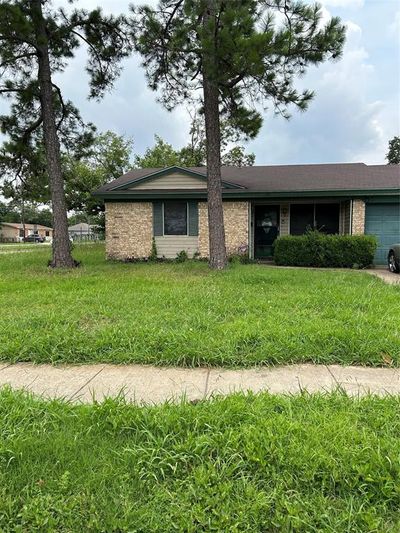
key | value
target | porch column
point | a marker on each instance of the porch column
(358, 217)
(284, 219)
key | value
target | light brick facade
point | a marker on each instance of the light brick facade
(236, 222)
(358, 222)
(129, 229)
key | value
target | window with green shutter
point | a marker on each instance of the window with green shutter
(175, 218)
(157, 219)
(193, 210)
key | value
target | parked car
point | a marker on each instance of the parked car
(34, 238)
(394, 258)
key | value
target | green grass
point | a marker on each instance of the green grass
(184, 314)
(243, 463)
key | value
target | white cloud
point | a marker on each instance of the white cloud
(354, 113)
(395, 26)
(343, 122)
(343, 3)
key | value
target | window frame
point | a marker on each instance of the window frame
(314, 204)
(318, 221)
(290, 217)
(187, 221)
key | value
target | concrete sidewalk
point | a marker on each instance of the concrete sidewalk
(149, 384)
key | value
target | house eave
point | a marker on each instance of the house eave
(245, 194)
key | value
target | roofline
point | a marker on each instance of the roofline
(168, 170)
(148, 194)
(17, 224)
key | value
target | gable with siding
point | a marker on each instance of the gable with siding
(171, 181)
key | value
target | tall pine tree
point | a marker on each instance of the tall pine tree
(239, 55)
(36, 42)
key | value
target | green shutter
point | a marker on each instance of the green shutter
(193, 219)
(157, 219)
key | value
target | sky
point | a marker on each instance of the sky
(355, 112)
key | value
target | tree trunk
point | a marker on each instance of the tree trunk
(61, 245)
(216, 230)
(23, 214)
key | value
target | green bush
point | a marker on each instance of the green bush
(243, 259)
(153, 254)
(181, 257)
(315, 249)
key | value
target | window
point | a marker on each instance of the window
(21, 233)
(47, 233)
(301, 218)
(323, 217)
(175, 218)
(327, 218)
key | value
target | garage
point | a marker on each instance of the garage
(383, 221)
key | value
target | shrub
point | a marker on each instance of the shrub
(181, 257)
(243, 259)
(153, 254)
(241, 256)
(316, 249)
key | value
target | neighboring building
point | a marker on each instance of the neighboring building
(260, 203)
(14, 232)
(81, 231)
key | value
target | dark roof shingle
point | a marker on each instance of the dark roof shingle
(286, 178)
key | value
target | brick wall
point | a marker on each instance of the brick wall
(236, 221)
(358, 217)
(129, 229)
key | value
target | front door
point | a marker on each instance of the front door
(266, 230)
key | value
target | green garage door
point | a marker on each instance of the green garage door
(383, 221)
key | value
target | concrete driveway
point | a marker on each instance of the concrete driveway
(385, 275)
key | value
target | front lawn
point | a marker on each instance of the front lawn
(244, 463)
(184, 314)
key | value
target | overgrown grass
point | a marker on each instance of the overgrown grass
(184, 314)
(243, 463)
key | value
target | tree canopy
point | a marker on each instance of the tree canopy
(258, 48)
(393, 155)
(37, 41)
(12, 212)
(194, 154)
(232, 58)
(108, 158)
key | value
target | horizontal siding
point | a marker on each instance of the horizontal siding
(170, 245)
(172, 181)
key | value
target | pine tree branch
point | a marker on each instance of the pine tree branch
(17, 58)
(63, 107)
(171, 16)
(22, 40)
(33, 127)
(93, 48)
(4, 90)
